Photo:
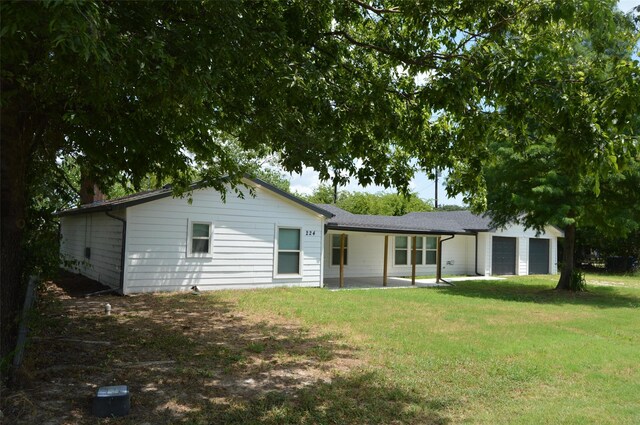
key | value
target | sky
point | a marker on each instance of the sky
(308, 180)
(626, 5)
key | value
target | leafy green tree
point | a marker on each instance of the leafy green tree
(382, 203)
(452, 208)
(132, 89)
(562, 129)
(323, 194)
(274, 177)
(392, 204)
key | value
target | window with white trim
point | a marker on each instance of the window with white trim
(289, 251)
(430, 250)
(401, 248)
(335, 249)
(426, 250)
(199, 242)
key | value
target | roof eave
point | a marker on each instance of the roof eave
(289, 196)
(332, 226)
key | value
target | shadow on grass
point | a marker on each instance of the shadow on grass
(359, 398)
(603, 297)
(197, 359)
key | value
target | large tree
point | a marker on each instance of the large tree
(560, 117)
(348, 87)
(129, 89)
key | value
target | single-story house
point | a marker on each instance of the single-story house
(152, 241)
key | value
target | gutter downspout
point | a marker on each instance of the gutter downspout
(475, 268)
(439, 266)
(122, 248)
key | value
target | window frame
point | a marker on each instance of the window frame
(425, 250)
(277, 250)
(346, 249)
(421, 252)
(190, 237)
(396, 249)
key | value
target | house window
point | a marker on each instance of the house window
(426, 249)
(199, 243)
(430, 249)
(401, 251)
(289, 252)
(335, 249)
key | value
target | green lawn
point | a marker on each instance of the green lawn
(511, 351)
(625, 280)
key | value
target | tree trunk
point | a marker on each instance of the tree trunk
(17, 137)
(568, 261)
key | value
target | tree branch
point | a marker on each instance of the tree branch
(374, 9)
(66, 180)
(418, 61)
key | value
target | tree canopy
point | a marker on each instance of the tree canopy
(350, 88)
(369, 203)
(563, 135)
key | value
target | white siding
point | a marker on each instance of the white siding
(484, 253)
(103, 235)
(458, 255)
(522, 256)
(365, 256)
(553, 254)
(243, 251)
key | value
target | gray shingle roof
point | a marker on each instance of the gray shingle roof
(442, 222)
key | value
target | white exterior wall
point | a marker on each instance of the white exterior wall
(458, 256)
(522, 247)
(484, 253)
(101, 233)
(243, 245)
(365, 256)
(553, 254)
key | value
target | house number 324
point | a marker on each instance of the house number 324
(310, 233)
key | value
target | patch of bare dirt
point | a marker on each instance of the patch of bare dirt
(178, 353)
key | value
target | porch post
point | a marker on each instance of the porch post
(413, 261)
(342, 260)
(386, 259)
(438, 261)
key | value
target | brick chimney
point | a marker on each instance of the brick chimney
(90, 192)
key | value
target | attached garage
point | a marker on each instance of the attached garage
(538, 256)
(503, 261)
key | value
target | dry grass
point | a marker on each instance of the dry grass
(179, 354)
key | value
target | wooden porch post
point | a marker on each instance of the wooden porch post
(386, 259)
(438, 261)
(413, 261)
(342, 260)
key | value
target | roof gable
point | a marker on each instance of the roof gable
(164, 192)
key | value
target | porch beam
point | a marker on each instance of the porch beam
(386, 260)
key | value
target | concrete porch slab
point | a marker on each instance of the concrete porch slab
(395, 282)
